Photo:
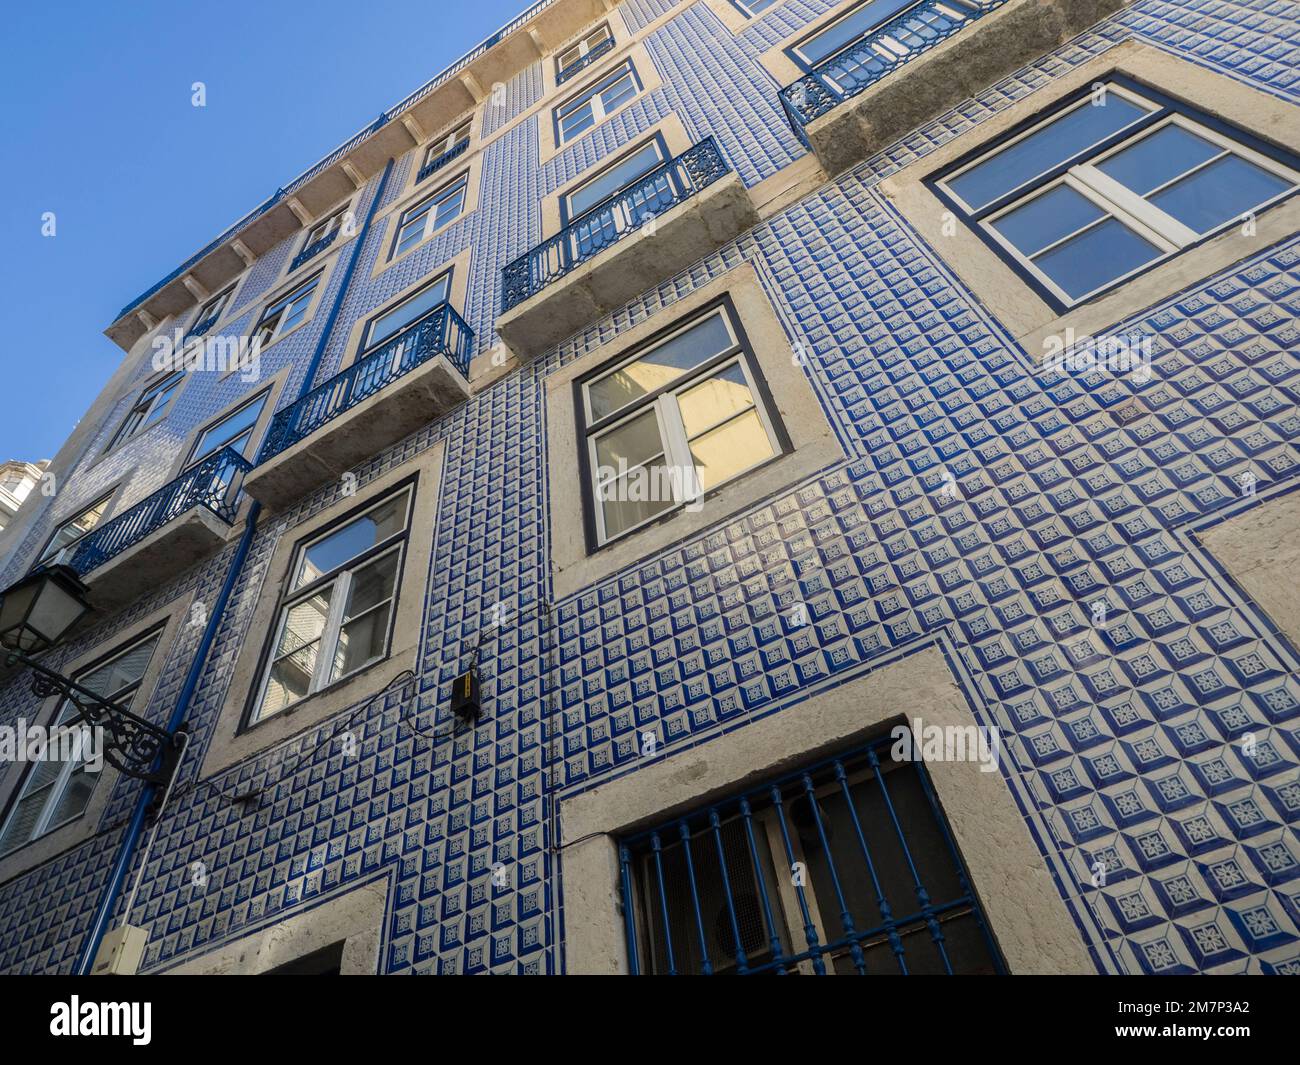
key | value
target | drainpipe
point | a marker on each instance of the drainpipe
(131, 840)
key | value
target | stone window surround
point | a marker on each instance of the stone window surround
(167, 620)
(410, 184)
(732, 17)
(1007, 296)
(676, 140)
(618, 29)
(776, 62)
(647, 75)
(299, 240)
(356, 917)
(1014, 885)
(795, 407)
(234, 738)
(386, 221)
(113, 494)
(457, 296)
(280, 290)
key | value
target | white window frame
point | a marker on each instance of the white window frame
(65, 714)
(284, 302)
(672, 428)
(340, 581)
(582, 48)
(322, 227)
(153, 411)
(429, 206)
(213, 307)
(48, 558)
(593, 97)
(444, 144)
(1115, 200)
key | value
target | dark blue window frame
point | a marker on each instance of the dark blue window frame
(1165, 106)
(792, 51)
(605, 166)
(589, 90)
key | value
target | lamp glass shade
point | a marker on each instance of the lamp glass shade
(36, 612)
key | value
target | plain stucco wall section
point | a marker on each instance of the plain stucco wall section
(1009, 876)
(1261, 552)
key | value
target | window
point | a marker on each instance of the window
(392, 321)
(673, 423)
(846, 31)
(72, 530)
(1109, 185)
(714, 893)
(211, 311)
(57, 791)
(578, 55)
(444, 149)
(233, 430)
(149, 407)
(337, 614)
(322, 233)
(286, 312)
(754, 8)
(430, 214)
(596, 103)
(614, 178)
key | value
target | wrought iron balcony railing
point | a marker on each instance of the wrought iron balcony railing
(214, 483)
(918, 29)
(583, 62)
(612, 219)
(314, 248)
(441, 331)
(434, 165)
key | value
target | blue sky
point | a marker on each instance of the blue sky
(100, 130)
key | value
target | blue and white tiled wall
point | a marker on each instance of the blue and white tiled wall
(1071, 489)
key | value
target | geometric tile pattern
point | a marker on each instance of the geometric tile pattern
(1070, 492)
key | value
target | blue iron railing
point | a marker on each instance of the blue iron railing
(338, 153)
(852, 855)
(862, 64)
(314, 248)
(612, 219)
(214, 483)
(583, 62)
(434, 165)
(440, 331)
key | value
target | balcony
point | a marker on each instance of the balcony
(419, 374)
(919, 64)
(434, 165)
(583, 62)
(314, 249)
(678, 213)
(164, 534)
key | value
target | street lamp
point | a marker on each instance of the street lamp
(37, 612)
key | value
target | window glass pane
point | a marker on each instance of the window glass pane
(616, 177)
(726, 451)
(22, 821)
(75, 795)
(1158, 158)
(657, 368)
(353, 538)
(360, 642)
(1047, 218)
(74, 529)
(1094, 258)
(412, 229)
(757, 7)
(372, 584)
(623, 89)
(628, 501)
(1222, 191)
(631, 443)
(121, 672)
(404, 314)
(232, 431)
(304, 622)
(849, 29)
(718, 398)
(289, 681)
(1040, 151)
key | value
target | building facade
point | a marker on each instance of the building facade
(691, 394)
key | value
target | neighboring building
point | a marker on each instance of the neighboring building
(718, 430)
(17, 479)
